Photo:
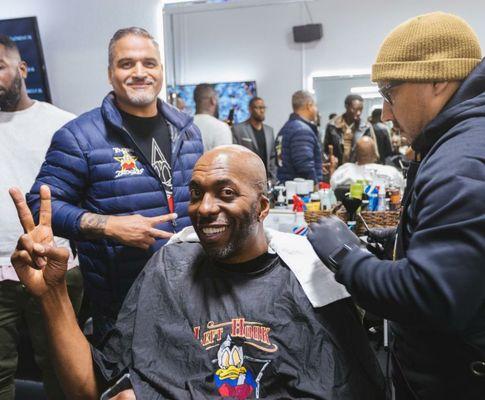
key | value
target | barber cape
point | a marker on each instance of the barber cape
(274, 327)
(316, 280)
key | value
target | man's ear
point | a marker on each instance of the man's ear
(439, 87)
(23, 69)
(264, 204)
(442, 92)
(449, 87)
(110, 80)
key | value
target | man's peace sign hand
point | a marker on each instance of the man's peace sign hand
(40, 265)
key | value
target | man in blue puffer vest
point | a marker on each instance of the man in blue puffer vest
(119, 175)
(298, 151)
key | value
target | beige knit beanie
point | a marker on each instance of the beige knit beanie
(429, 47)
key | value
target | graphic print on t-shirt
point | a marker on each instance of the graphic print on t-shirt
(127, 162)
(162, 167)
(238, 375)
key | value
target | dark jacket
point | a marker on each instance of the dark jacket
(243, 134)
(298, 151)
(435, 292)
(85, 172)
(334, 136)
(383, 141)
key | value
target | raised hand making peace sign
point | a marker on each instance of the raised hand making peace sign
(40, 265)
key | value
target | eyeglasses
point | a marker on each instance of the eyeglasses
(260, 107)
(385, 90)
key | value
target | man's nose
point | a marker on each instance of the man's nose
(387, 114)
(208, 205)
(139, 70)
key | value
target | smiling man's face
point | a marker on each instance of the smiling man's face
(227, 206)
(136, 71)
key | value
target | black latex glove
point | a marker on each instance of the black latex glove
(381, 235)
(381, 242)
(331, 239)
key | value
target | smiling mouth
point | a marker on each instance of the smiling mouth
(213, 230)
(141, 85)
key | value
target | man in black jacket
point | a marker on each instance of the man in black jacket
(344, 131)
(381, 132)
(257, 136)
(430, 73)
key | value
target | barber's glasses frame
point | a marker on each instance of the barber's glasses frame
(385, 90)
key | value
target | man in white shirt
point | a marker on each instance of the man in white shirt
(214, 132)
(365, 167)
(26, 129)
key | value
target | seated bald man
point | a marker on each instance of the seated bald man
(224, 310)
(365, 167)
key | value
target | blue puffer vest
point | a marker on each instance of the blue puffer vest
(93, 165)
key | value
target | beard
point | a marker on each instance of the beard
(10, 98)
(245, 230)
(143, 98)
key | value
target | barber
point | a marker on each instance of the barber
(430, 74)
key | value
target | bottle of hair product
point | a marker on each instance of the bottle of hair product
(381, 202)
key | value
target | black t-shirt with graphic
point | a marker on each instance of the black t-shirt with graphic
(152, 136)
(199, 329)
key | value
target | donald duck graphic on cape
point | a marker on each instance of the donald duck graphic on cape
(233, 379)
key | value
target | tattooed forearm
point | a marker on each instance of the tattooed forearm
(93, 225)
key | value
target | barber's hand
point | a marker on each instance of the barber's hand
(39, 265)
(137, 230)
(381, 242)
(381, 235)
(128, 394)
(328, 236)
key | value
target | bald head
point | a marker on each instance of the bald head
(239, 160)
(365, 151)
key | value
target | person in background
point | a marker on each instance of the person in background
(430, 72)
(365, 167)
(257, 136)
(395, 145)
(225, 310)
(381, 135)
(214, 132)
(180, 104)
(298, 150)
(26, 129)
(330, 162)
(398, 157)
(344, 131)
(119, 175)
